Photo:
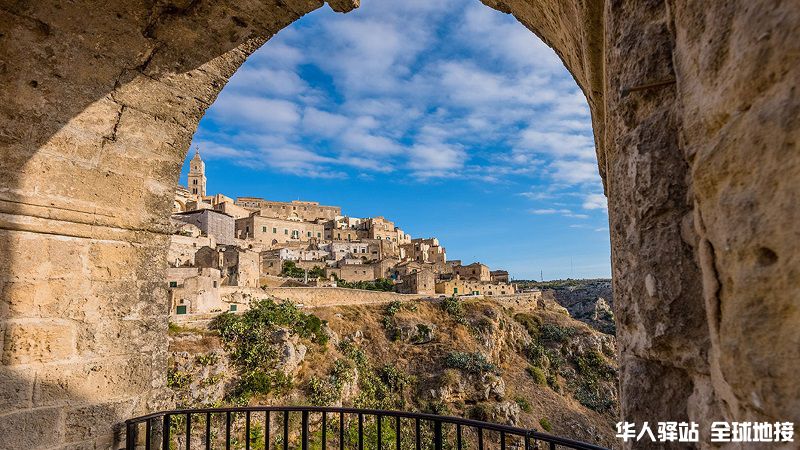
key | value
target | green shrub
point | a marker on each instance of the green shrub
(481, 411)
(455, 308)
(537, 374)
(592, 366)
(206, 359)
(523, 404)
(381, 284)
(291, 270)
(328, 391)
(247, 337)
(545, 424)
(177, 379)
(549, 332)
(474, 363)
(530, 323)
(552, 381)
(590, 394)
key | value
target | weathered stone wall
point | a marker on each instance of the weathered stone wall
(694, 107)
(311, 297)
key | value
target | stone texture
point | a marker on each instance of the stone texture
(695, 113)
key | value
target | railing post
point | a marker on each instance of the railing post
(417, 431)
(480, 438)
(360, 431)
(247, 430)
(188, 431)
(148, 434)
(458, 436)
(304, 431)
(324, 430)
(208, 431)
(165, 433)
(286, 429)
(437, 434)
(228, 430)
(399, 431)
(380, 436)
(266, 430)
(130, 436)
(341, 430)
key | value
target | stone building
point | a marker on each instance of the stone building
(182, 249)
(382, 229)
(337, 231)
(473, 272)
(294, 210)
(425, 251)
(272, 231)
(212, 223)
(352, 272)
(194, 290)
(233, 210)
(418, 282)
(499, 276)
(458, 286)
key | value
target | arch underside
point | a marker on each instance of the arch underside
(100, 101)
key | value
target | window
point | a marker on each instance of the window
(263, 229)
(194, 190)
(194, 181)
(274, 230)
(455, 290)
(308, 234)
(319, 234)
(233, 308)
(181, 309)
(173, 284)
(214, 283)
(285, 231)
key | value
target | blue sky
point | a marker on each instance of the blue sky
(448, 117)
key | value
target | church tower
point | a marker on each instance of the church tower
(197, 175)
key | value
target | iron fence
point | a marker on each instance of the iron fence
(323, 428)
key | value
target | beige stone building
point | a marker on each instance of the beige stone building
(273, 231)
(499, 276)
(418, 282)
(458, 286)
(194, 290)
(473, 272)
(425, 251)
(382, 229)
(352, 272)
(294, 210)
(233, 210)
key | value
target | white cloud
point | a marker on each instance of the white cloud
(256, 112)
(595, 201)
(575, 172)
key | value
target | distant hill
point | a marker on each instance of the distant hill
(589, 300)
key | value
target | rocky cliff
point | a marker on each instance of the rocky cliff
(531, 365)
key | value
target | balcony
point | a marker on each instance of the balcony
(308, 427)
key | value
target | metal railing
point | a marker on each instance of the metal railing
(276, 427)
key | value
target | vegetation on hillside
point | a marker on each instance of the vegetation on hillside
(525, 365)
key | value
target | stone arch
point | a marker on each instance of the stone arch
(99, 103)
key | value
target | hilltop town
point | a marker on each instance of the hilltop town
(222, 248)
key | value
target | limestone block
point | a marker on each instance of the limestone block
(35, 340)
(99, 380)
(17, 388)
(96, 421)
(32, 429)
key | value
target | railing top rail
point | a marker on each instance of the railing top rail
(379, 412)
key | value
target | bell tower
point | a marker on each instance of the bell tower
(197, 175)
